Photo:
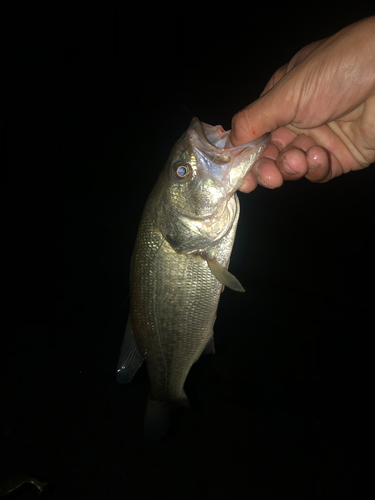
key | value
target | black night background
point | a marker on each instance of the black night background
(283, 409)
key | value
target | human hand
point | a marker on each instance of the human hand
(320, 108)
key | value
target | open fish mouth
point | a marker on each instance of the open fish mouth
(226, 165)
(200, 180)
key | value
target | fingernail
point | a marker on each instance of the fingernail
(313, 162)
(255, 170)
(260, 180)
(287, 169)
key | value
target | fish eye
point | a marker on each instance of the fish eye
(182, 171)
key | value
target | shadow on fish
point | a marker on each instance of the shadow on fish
(180, 265)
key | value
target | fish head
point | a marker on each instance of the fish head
(199, 181)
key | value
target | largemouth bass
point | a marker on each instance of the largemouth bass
(180, 264)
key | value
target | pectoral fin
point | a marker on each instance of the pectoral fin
(223, 275)
(130, 357)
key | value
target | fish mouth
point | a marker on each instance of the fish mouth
(228, 166)
(200, 211)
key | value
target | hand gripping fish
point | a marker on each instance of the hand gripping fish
(180, 264)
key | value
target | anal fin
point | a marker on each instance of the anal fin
(130, 358)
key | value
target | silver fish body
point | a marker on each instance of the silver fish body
(180, 262)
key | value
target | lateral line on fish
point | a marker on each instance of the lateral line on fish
(155, 316)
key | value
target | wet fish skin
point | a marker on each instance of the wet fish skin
(180, 262)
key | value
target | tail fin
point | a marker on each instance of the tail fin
(159, 415)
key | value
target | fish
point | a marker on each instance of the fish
(180, 265)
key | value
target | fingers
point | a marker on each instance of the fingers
(290, 157)
(253, 121)
(264, 172)
(249, 183)
(293, 159)
(319, 164)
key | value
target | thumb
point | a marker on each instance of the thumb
(276, 108)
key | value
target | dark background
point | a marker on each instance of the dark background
(283, 410)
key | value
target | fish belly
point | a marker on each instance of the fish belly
(173, 307)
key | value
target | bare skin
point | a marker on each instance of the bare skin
(320, 110)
